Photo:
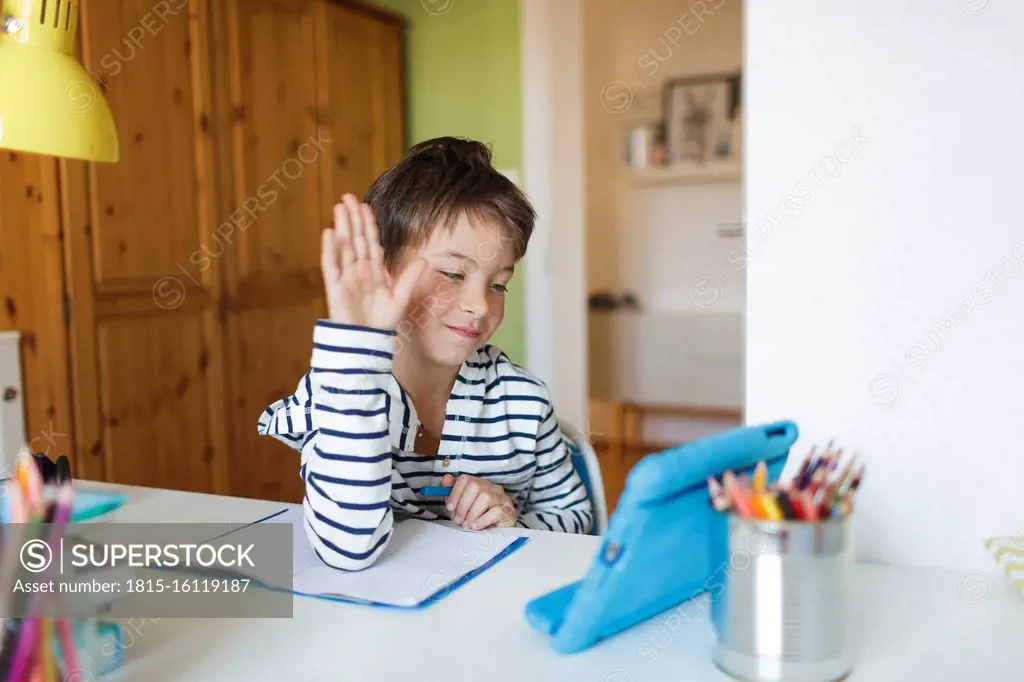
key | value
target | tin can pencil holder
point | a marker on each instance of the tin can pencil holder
(780, 601)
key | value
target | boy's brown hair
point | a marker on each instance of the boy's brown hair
(437, 182)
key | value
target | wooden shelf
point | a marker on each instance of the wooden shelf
(716, 172)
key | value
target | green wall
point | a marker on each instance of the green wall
(463, 79)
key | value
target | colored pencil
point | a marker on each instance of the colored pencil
(67, 645)
(817, 481)
(63, 503)
(796, 501)
(22, 661)
(858, 477)
(812, 469)
(761, 477)
(62, 508)
(788, 512)
(21, 475)
(739, 498)
(27, 646)
(770, 507)
(804, 466)
(717, 495)
(46, 660)
(746, 484)
(823, 487)
(807, 502)
(63, 465)
(837, 485)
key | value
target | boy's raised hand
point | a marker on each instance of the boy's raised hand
(360, 290)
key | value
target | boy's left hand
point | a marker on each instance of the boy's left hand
(475, 503)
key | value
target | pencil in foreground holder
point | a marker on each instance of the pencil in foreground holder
(35, 645)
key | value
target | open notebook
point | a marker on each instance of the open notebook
(423, 562)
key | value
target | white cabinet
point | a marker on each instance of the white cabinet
(12, 402)
(667, 358)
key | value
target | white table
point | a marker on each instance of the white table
(917, 624)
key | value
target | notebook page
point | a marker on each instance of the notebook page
(422, 558)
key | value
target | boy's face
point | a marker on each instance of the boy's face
(459, 301)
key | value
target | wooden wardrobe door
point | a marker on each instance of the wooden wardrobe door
(362, 94)
(290, 127)
(32, 300)
(270, 162)
(145, 339)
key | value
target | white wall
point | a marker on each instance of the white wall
(885, 303)
(556, 349)
(660, 242)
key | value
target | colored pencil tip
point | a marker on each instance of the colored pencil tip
(761, 477)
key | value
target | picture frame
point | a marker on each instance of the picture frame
(698, 116)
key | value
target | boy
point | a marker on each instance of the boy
(404, 391)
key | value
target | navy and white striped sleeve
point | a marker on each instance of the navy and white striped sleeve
(288, 419)
(347, 466)
(558, 499)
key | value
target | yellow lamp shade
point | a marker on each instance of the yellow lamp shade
(49, 104)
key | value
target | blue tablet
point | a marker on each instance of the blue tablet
(656, 552)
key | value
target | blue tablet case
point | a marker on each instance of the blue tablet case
(657, 550)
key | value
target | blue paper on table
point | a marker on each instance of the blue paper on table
(90, 504)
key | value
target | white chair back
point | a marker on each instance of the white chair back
(591, 469)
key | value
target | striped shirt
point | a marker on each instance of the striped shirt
(355, 427)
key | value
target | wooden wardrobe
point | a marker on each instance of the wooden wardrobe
(167, 299)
